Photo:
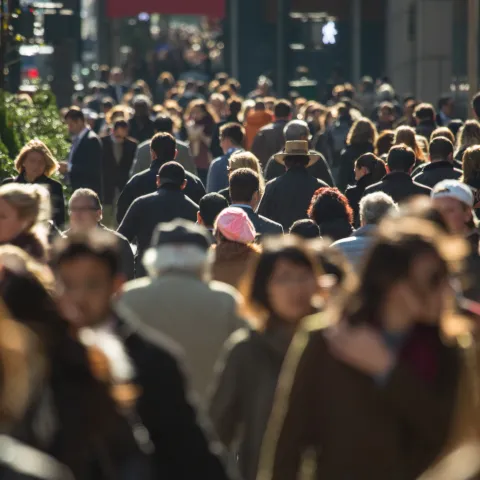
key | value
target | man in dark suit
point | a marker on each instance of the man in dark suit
(166, 204)
(245, 194)
(118, 155)
(398, 183)
(116, 88)
(162, 149)
(84, 166)
(179, 441)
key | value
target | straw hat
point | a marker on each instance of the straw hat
(297, 148)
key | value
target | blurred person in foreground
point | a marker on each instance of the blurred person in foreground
(36, 164)
(287, 198)
(373, 208)
(178, 279)
(368, 389)
(279, 291)
(235, 248)
(87, 269)
(306, 229)
(86, 212)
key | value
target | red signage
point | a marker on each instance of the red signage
(129, 8)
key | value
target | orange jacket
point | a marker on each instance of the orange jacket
(255, 121)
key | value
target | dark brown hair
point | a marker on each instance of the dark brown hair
(164, 146)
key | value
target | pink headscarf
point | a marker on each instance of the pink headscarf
(233, 223)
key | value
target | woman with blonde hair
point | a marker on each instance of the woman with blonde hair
(407, 136)
(24, 217)
(243, 159)
(360, 139)
(468, 136)
(36, 164)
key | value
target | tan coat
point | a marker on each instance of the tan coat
(340, 424)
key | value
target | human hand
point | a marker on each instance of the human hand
(360, 347)
(63, 167)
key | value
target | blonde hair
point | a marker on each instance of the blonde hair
(246, 160)
(35, 145)
(31, 202)
(362, 131)
(471, 163)
(469, 134)
(407, 136)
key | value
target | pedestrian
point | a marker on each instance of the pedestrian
(84, 166)
(243, 159)
(369, 169)
(306, 229)
(361, 139)
(351, 370)
(179, 443)
(36, 164)
(471, 173)
(330, 210)
(425, 117)
(140, 126)
(234, 107)
(446, 110)
(24, 217)
(408, 118)
(384, 143)
(336, 134)
(117, 88)
(287, 198)
(455, 200)
(444, 132)
(200, 122)
(258, 118)
(235, 248)
(269, 140)
(279, 293)
(117, 159)
(373, 208)
(245, 193)
(406, 136)
(168, 203)
(86, 212)
(298, 130)
(397, 183)
(441, 165)
(143, 159)
(163, 149)
(210, 207)
(454, 126)
(468, 136)
(231, 140)
(386, 116)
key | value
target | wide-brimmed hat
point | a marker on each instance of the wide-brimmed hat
(297, 148)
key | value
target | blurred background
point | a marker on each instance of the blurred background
(425, 47)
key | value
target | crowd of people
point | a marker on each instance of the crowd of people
(246, 287)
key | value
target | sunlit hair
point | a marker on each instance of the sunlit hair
(471, 164)
(118, 112)
(31, 202)
(51, 165)
(443, 132)
(362, 131)
(384, 142)
(255, 283)
(245, 159)
(469, 134)
(406, 135)
(206, 109)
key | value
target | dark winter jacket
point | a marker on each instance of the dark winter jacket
(319, 169)
(336, 229)
(348, 157)
(164, 205)
(426, 128)
(141, 131)
(399, 186)
(268, 141)
(435, 172)
(287, 198)
(263, 226)
(145, 182)
(354, 194)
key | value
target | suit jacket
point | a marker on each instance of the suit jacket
(399, 186)
(116, 175)
(86, 164)
(143, 158)
(148, 211)
(287, 198)
(57, 199)
(263, 225)
(112, 92)
(217, 177)
(268, 141)
(185, 445)
(144, 183)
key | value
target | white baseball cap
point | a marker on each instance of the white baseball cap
(453, 189)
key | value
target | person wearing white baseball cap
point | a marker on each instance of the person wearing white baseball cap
(454, 200)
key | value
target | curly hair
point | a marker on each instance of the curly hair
(362, 131)
(329, 204)
(35, 145)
